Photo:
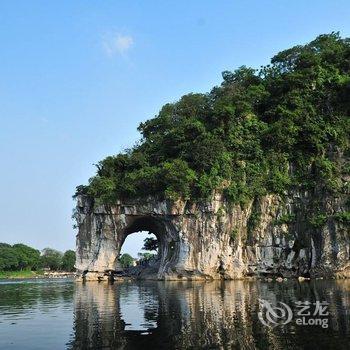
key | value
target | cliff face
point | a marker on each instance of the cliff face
(269, 237)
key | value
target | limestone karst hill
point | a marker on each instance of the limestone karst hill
(249, 179)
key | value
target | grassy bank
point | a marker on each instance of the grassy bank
(20, 274)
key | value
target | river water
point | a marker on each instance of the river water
(63, 314)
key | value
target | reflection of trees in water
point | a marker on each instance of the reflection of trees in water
(197, 315)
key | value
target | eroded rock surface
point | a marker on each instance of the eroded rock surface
(270, 236)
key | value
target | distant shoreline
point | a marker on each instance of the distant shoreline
(9, 275)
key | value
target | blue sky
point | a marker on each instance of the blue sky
(77, 77)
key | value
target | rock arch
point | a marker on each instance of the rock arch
(192, 244)
(163, 228)
(209, 240)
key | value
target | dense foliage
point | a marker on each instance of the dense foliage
(23, 257)
(18, 257)
(260, 131)
(145, 258)
(126, 260)
(68, 261)
(150, 244)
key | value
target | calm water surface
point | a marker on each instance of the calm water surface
(63, 314)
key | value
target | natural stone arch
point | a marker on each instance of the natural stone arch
(195, 239)
(165, 232)
(206, 240)
(103, 230)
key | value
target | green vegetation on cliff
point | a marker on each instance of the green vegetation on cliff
(261, 131)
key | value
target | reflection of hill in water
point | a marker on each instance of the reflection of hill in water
(175, 315)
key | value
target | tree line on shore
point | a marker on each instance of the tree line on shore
(22, 257)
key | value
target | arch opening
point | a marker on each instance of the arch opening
(138, 249)
(157, 247)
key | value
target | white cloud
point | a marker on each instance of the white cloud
(116, 43)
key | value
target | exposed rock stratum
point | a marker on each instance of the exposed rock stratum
(215, 239)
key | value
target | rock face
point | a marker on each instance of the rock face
(270, 237)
